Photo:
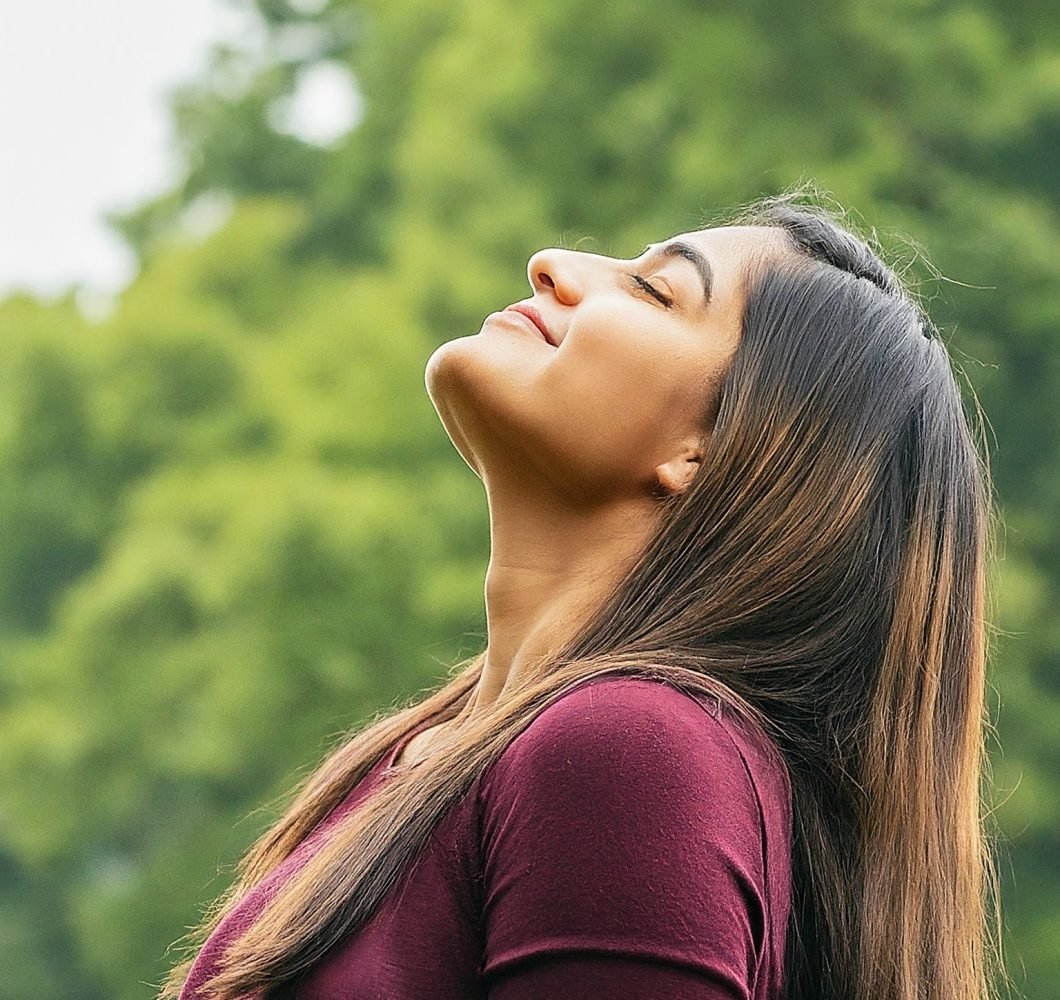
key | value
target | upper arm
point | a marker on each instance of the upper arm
(621, 832)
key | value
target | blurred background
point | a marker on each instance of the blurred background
(231, 524)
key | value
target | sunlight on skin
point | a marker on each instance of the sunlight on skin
(574, 428)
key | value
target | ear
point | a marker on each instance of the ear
(675, 475)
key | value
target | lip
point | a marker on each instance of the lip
(535, 317)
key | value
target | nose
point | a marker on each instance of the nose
(555, 270)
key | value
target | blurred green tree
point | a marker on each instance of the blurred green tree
(234, 526)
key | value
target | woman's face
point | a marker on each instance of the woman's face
(632, 357)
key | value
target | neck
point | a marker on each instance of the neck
(550, 566)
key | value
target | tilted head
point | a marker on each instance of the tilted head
(606, 382)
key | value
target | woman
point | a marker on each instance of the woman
(726, 736)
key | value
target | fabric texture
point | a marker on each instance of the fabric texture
(634, 841)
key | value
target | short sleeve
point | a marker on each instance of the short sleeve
(621, 833)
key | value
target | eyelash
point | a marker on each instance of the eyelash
(652, 290)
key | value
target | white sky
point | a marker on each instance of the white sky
(84, 127)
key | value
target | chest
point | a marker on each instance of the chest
(426, 938)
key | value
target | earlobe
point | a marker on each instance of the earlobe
(676, 475)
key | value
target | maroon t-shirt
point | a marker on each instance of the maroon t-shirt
(633, 841)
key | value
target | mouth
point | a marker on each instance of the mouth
(535, 317)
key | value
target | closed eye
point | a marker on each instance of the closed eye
(654, 292)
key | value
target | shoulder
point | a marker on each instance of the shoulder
(641, 731)
(626, 817)
(645, 754)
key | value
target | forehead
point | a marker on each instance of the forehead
(730, 251)
(732, 247)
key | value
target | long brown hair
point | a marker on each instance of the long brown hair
(825, 575)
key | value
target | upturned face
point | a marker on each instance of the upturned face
(604, 372)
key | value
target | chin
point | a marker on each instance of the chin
(457, 368)
(453, 377)
(443, 366)
(483, 367)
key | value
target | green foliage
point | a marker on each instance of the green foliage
(233, 525)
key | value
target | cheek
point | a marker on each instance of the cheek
(630, 372)
(623, 400)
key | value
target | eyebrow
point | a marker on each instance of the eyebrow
(687, 252)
